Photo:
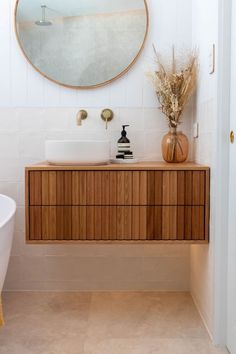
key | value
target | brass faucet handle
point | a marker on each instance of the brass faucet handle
(107, 115)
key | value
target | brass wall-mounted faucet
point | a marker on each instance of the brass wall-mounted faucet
(107, 115)
(81, 115)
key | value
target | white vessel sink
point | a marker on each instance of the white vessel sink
(77, 152)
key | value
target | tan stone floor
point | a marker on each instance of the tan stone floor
(103, 323)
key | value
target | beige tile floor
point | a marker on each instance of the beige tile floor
(103, 323)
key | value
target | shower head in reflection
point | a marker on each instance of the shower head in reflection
(43, 21)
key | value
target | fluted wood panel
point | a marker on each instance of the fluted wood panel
(49, 188)
(118, 188)
(180, 229)
(113, 187)
(49, 223)
(118, 205)
(169, 223)
(35, 226)
(121, 223)
(64, 223)
(187, 223)
(170, 190)
(35, 190)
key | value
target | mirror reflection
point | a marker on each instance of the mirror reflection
(81, 43)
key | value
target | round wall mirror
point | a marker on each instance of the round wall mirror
(81, 43)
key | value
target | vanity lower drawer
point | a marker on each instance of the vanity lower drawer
(118, 223)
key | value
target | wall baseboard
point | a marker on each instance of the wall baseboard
(201, 315)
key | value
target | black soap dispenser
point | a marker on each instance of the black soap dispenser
(124, 146)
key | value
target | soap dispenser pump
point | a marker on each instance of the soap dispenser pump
(124, 139)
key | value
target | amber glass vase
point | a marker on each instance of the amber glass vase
(175, 146)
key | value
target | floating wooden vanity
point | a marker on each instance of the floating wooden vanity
(146, 202)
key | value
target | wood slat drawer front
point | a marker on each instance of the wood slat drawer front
(103, 228)
(66, 188)
(122, 223)
(90, 223)
(177, 187)
(122, 188)
(109, 188)
(35, 223)
(49, 223)
(176, 223)
(183, 223)
(35, 188)
(50, 188)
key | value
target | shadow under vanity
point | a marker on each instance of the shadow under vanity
(145, 202)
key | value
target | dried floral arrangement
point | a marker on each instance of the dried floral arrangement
(174, 84)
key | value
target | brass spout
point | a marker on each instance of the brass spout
(81, 115)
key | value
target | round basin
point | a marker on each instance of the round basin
(77, 152)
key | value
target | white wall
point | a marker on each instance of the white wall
(205, 33)
(33, 109)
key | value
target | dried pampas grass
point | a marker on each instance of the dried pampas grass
(174, 85)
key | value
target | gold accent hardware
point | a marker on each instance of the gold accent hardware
(81, 115)
(213, 59)
(107, 115)
(232, 137)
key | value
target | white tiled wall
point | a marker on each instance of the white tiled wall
(33, 109)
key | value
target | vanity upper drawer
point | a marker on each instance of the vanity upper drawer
(124, 188)
(87, 188)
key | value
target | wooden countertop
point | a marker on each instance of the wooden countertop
(142, 166)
